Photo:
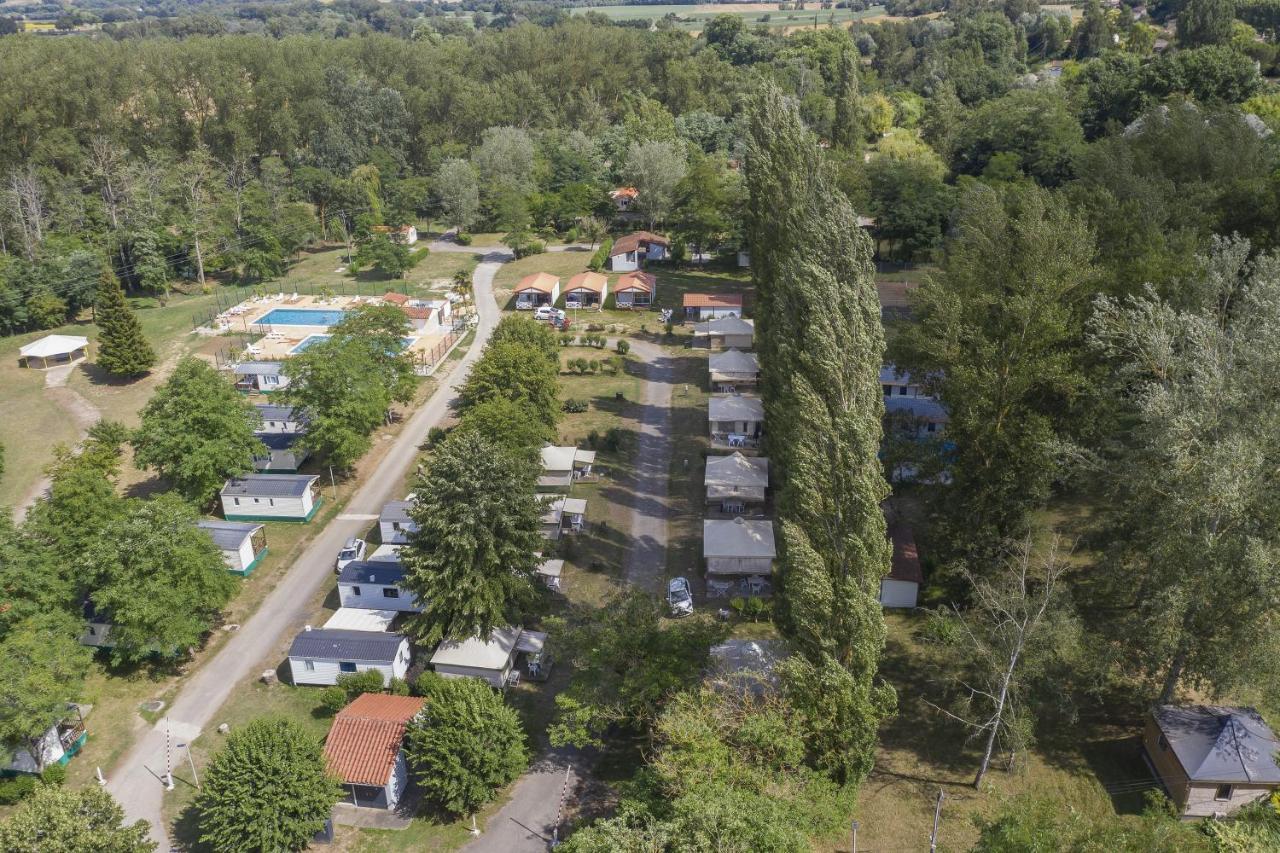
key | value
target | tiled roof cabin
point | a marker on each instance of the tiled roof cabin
(243, 544)
(635, 290)
(364, 748)
(270, 497)
(630, 251)
(541, 288)
(710, 306)
(1211, 759)
(586, 290)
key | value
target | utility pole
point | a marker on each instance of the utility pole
(937, 813)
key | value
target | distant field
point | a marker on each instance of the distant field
(695, 16)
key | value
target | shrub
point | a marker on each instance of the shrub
(462, 239)
(398, 687)
(594, 366)
(669, 328)
(54, 774)
(534, 247)
(560, 302)
(16, 790)
(613, 439)
(350, 685)
(738, 604)
(333, 699)
(623, 347)
(601, 257)
(593, 438)
(566, 339)
(435, 435)
(611, 302)
(754, 607)
(574, 407)
(644, 328)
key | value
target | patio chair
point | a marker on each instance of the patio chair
(513, 678)
(755, 584)
(719, 589)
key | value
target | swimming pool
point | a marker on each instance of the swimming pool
(301, 317)
(312, 340)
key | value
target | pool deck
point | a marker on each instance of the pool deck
(279, 340)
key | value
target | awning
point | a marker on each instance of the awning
(531, 642)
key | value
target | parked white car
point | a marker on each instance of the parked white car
(679, 597)
(354, 550)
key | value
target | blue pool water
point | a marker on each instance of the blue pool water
(312, 340)
(301, 317)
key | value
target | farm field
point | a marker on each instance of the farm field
(694, 17)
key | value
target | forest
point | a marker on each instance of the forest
(1087, 207)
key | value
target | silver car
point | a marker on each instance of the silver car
(352, 551)
(679, 597)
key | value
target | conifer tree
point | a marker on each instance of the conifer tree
(821, 344)
(122, 348)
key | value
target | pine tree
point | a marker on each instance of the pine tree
(122, 348)
(821, 348)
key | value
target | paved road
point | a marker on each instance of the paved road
(136, 781)
(646, 562)
(526, 823)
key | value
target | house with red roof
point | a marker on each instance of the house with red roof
(630, 251)
(635, 290)
(712, 306)
(365, 748)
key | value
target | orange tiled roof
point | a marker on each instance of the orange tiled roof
(625, 192)
(543, 282)
(366, 736)
(592, 281)
(395, 298)
(713, 300)
(636, 239)
(636, 281)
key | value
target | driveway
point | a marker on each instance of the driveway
(646, 562)
(136, 782)
(528, 821)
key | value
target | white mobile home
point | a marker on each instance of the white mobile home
(394, 522)
(725, 333)
(243, 544)
(284, 454)
(359, 619)
(562, 465)
(491, 660)
(738, 546)
(375, 585)
(562, 515)
(261, 376)
(280, 419)
(319, 656)
(270, 497)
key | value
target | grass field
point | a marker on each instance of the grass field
(694, 17)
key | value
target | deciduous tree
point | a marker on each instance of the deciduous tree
(197, 431)
(267, 789)
(466, 745)
(86, 820)
(42, 668)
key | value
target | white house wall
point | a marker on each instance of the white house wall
(739, 565)
(326, 671)
(896, 593)
(370, 597)
(495, 677)
(290, 508)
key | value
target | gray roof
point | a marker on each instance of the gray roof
(258, 368)
(737, 470)
(228, 535)
(278, 440)
(725, 326)
(492, 653)
(269, 485)
(273, 412)
(735, 407)
(738, 537)
(734, 361)
(1215, 743)
(396, 511)
(336, 644)
(372, 571)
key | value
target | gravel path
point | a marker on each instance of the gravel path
(646, 563)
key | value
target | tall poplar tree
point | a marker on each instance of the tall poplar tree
(122, 348)
(821, 345)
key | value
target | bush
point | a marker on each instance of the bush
(623, 347)
(669, 328)
(574, 407)
(462, 239)
(435, 435)
(613, 439)
(54, 774)
(601, 257)
(578, 365)
(566, 339)
(559, 302)
(611, 302)
(593, 439)
(754, 607)
(738, 604)
(16, 790)
(398, 687)
(350, 685)
(333, 699)
(534, 247)
(594, 366)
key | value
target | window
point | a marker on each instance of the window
(390, 592)
(1164, 743)
(902, 390)
(1224, 792)
(309, 665)
(888, 390)
(271, 501)
(355, 590)
(931, 427)
(236, 501)
(346, 666)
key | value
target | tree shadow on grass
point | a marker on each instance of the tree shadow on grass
(97, 376)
